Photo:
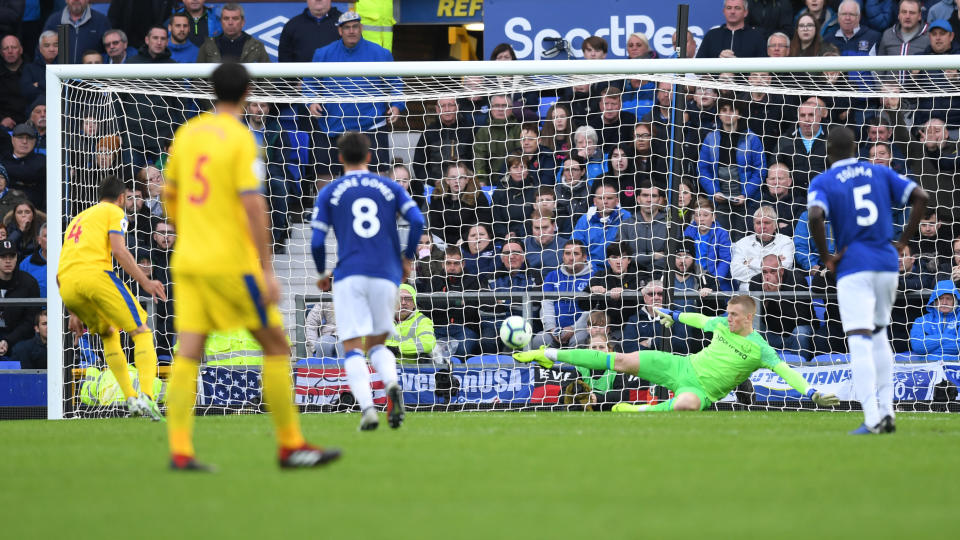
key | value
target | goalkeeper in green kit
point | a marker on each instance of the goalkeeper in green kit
(700, 379)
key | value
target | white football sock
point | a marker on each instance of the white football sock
(385, 363)
(358, 377)
(883, 360)
(864, 377)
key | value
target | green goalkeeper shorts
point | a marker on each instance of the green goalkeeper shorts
(674, 372)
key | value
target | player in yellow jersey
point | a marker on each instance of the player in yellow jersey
(222, 269)
(95, 295)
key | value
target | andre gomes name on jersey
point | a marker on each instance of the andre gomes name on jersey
(365, 181)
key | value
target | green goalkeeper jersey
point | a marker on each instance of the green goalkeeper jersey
(730, 358)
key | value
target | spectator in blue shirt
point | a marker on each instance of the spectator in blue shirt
(35, 263)
(181, 48)
(564, 323)
(711, 244)
(936, 332)
(600, 225)
(334, 119)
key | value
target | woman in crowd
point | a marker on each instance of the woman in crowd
(516, 190)
(457, 203)
(556, 131)
(22, 225)
(479, 252)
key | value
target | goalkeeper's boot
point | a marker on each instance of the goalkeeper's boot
(628, 407)
(148, 407)
(307, 456)
(887, 424)
(537, 356)
(864, 429)
(394, 405)
(370, 420)
(179, 462)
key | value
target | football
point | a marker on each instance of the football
(515, 332)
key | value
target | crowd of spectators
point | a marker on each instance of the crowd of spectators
(635, 193)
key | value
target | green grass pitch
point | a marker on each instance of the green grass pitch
(491, 475)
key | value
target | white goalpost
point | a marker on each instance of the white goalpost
(119, 119)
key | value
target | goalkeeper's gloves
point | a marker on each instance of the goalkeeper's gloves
(822, 399)
(668, 316)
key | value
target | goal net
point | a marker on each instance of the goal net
(581, 196)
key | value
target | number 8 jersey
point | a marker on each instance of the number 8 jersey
(213, 161)
(858, 197)
(362, 208)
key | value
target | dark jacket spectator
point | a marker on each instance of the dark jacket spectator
(214, 49)
(144, 56)
(136, 17)
(33, 80)
(32, 353)
(305, 33)
(880, 14)
(452, 213)
(444, 140)
(769, 16)
(16, 323)
(805, 164)
(84, 29)
(12, 102)
(745, 43)
(617, 307)
(782, 314)
(456, 309)
(11, 12)
(26, 169)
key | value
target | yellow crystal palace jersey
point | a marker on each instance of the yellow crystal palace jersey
(213, 161)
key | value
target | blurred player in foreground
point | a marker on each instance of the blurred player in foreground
(362, 208)
(858, 198)
(95, 295)
(222, 267)
(698, 380)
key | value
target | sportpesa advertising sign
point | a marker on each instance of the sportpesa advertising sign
(525, 23)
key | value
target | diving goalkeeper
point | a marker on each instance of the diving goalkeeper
(698, 380)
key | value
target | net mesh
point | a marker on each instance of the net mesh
(507, 169)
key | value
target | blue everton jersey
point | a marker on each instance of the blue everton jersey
(858, 198)
(361, 208)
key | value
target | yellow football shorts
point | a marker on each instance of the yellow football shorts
(102, 301)
(204, 303)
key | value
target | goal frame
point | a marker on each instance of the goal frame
(57, 74)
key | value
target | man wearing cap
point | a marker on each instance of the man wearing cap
(414, 330)
(26, 168)
(37, 119)
(334, 119)
(313, 29)
(941, 38)
(16, 323)
(9, 197)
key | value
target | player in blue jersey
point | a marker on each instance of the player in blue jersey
(858, 198)
(362, 208)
